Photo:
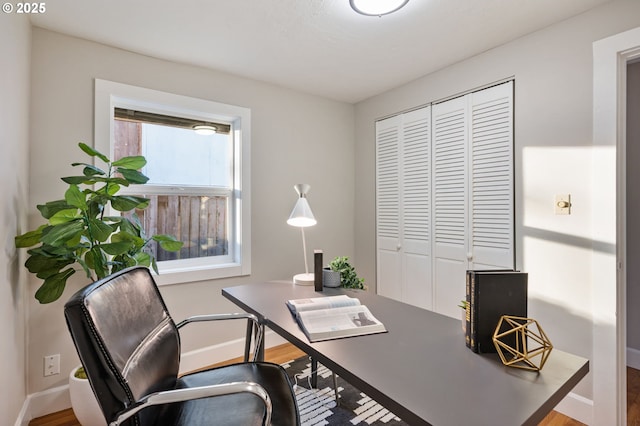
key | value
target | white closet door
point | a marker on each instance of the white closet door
(450, 135)
(388, 207)
(492, 197)
(445, 197)
(403, 207)
(416, 208)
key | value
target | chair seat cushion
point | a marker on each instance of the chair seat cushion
(243, 409)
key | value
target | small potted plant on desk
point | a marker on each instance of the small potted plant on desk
(340, 273)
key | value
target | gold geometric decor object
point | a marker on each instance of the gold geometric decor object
(521, 343)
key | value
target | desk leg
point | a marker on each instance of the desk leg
(247, 341)
(260, 347)
(314, 373)
(257, 335)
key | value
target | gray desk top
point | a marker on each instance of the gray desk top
(421, 369)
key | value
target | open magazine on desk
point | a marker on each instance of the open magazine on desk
(333, 317)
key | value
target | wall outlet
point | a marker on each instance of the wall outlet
(51, 365)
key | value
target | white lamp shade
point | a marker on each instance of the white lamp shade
(377, 7)
(301, 216)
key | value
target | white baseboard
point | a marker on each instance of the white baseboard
(577, 407)
(633, 358)
(57, 399)
(42, 403)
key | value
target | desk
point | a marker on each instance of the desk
(421, 369)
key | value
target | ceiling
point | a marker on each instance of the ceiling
(316, 46)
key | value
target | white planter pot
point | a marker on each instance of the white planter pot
(84, 403)
(330, 278)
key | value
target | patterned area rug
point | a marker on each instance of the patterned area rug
(318, 406)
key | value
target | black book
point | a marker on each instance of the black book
(491, 294)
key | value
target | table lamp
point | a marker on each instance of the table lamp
(301, 216)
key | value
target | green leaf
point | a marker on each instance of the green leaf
(59, 235)
(133, 176)
(88, 261)
(99, 230)
(143, 258)
(50, 251)
(131, 228)
(44, 267)
(114, 220)
(86, 268)
(112, 188)
(132, 225)
(75, 197)
(129, 202)
(96, 206)
(53, 286)
(52, 207)
(92, 152)
(98, 262)
(90, 170)
(77, 180)
(93, 180)
(134, 162)
(64, 216)
(111, 180)
(133, 240)
(30, 238)
(168, 243)
(115, 249)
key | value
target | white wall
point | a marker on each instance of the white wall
(297, 138)
(553, 145)
(14, 125)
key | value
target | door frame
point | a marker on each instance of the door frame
(610, 58)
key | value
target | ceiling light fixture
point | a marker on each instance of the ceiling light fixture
(377, 7)
(204, 129)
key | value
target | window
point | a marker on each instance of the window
(198, 184)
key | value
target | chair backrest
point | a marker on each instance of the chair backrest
(126, 340)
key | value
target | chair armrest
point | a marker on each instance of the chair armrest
(179, 395)
(253, 324)
(219, 317)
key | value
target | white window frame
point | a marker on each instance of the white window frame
(109, 95)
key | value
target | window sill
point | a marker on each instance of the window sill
(182, 275)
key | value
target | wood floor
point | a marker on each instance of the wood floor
(288, 352)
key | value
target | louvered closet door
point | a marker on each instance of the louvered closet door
(492, 197)
(403, 207)
(388, 207)
(450, 209)
(415, 208)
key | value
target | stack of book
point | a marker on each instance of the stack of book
(491, 294)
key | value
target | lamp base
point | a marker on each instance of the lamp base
(303, 279)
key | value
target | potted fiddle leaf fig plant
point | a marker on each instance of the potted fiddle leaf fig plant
(79, 234)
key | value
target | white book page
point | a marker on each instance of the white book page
(339, 319)
(316, 303)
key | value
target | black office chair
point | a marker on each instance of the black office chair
(130, 349)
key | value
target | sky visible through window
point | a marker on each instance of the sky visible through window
(180, 157)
